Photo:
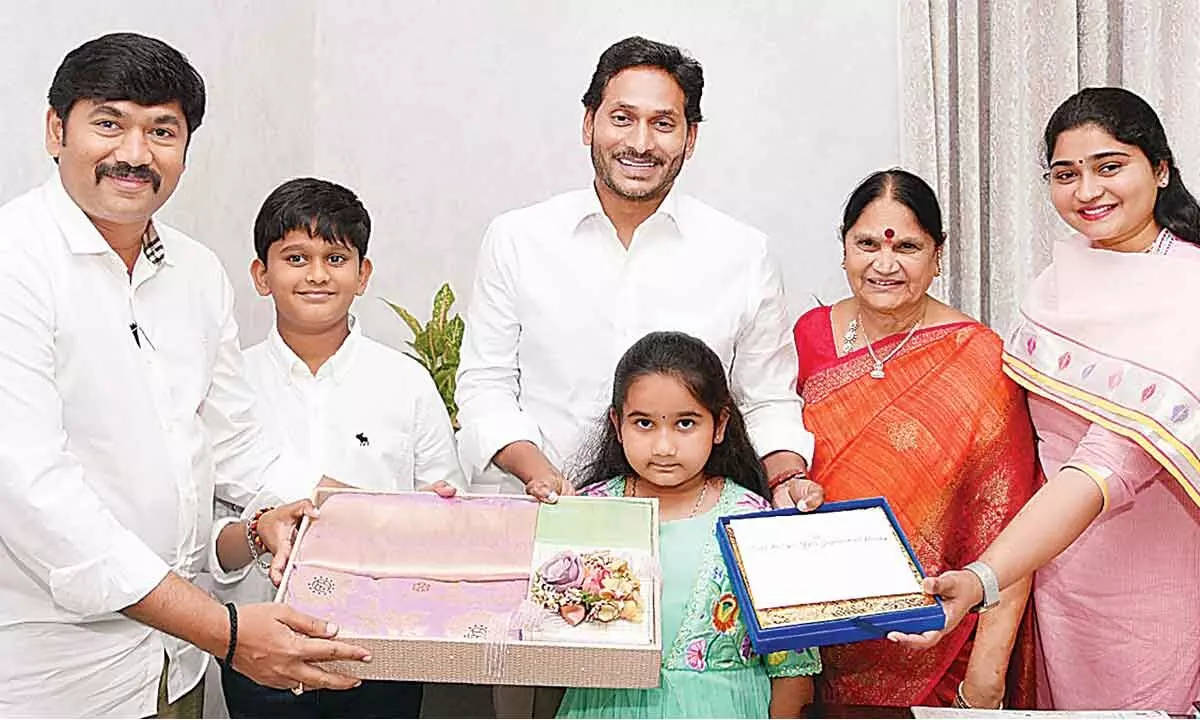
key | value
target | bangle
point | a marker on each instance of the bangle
(254, 541)
(960, 700)
(783, 476)
(232, 634)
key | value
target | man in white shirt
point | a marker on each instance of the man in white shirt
(564, 287)
(366, 414)
(122, 411)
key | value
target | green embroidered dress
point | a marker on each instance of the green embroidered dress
(709, 668)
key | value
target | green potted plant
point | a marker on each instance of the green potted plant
(436, 344)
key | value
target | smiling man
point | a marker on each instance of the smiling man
(123, 410)
(564, 287)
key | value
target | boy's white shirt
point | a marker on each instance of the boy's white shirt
(371, 417)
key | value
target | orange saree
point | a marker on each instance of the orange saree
(945, 437)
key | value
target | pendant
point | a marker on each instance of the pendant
(877, 371)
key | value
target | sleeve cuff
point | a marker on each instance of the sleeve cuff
(221, 577)
(791, 663)
(478, 443)
(123, 576)
(1097, 475)
(775, 429)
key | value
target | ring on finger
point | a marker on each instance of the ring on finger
(298, 690)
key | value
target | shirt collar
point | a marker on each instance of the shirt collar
(83, 238)
(588, 207)
(338, 365)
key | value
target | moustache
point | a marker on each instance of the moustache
(639, 157)
(125, 171)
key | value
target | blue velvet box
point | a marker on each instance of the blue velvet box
(828, 623)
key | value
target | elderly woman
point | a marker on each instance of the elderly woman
(1107, 347)
(907, 400)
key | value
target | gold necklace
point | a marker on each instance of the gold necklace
(695, 508)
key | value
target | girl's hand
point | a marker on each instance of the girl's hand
(442, 488)
(789, 696)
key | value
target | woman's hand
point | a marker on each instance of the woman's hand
(984, 692)
(960, 590)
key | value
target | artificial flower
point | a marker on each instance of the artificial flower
(607, 611)
(562, 571)
(573, 614)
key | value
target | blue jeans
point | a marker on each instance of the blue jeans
(373, 699)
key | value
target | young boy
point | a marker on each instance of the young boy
(358, 410)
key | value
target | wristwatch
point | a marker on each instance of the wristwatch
(991, 585)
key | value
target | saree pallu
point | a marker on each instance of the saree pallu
(946, 438)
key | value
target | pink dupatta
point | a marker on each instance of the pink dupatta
(1113, 337)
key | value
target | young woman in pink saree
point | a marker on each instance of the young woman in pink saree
(1108, 349)
(906, 399)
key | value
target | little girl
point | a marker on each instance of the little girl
(674, 433)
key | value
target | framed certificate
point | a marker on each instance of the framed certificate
(843, 573)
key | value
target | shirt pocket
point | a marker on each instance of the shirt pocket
(379, 460)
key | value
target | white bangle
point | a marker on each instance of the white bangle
(989, 581)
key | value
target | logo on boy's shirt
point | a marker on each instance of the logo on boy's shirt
(362, 440)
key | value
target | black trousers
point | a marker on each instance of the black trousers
(373, 699)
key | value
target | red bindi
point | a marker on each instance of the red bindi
(889, 233)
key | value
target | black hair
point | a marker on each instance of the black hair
(1132, 121)
(640, 52)
(695, 365)
(905, 188)
(128, 66)
(321, 208)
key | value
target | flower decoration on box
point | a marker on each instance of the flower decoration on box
(595, 586)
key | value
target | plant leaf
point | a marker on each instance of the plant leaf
(441, 306)
(406, 316)
(454, 331)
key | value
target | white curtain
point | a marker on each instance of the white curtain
(980, 80)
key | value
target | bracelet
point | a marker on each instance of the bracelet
(960, 700)
(254, 541)
(232, 634)
(783, 476)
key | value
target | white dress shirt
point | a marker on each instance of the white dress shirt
(558, 299)
(111, 450)
(370, 417)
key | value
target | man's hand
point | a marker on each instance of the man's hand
(801, 492)
(277, 645)
(548, 486)
(442, 488)
(798, 491)
(960, 590)
(277, 528)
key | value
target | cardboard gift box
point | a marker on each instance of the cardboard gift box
(840, 574)
(449, 589)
